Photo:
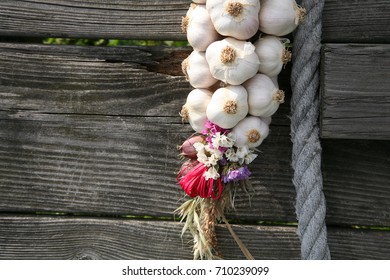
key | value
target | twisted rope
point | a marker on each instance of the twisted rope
(306, 152)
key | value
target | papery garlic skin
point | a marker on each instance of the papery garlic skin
(186, 20)
(250, 132)
(275, 81)
(267, 120)
(194, 110)
(232, 61)
(228, 106)
(263, 97)
(235, 18)
(279, 17)
(200, 30)
(197, 70)
(272, 54)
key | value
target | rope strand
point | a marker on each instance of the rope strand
(306, 152)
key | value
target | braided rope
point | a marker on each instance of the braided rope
(306, 152)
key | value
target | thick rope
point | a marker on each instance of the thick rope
(306, 152)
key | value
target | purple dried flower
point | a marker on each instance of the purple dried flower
(223, 161)
(235, 175)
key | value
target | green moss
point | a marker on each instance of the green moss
(111, 42)
(232, 221)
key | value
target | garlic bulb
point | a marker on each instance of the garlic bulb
(228, 106)
(272, 53)
(197, 71)
(185, 20)
(232, 61)
(194, 110)
(250, 132)
(267, 120)
(235, 18)
(280, 17)
(199, 28)
(275, 81)
(263, 97)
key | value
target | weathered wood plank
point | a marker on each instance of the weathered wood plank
(137, 81)
(39, 237)
(27, 99)
(150, 19)
(357, 179)
(34, 237)
(117, 165)
(353, 244)
(92, 80)
(355, 91)
(343, 21)
(112, 165)
(356, 21)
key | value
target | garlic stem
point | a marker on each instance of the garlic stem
(228, 55)
(278, 96)
(300, 14)
(253, 136)
(184, 114)
(184, 67)
(184, 24)
(230, 107)
(234, 9)
(286, 56)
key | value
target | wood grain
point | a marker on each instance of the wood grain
(131, 81)
(150, 19)
(39, 237)
(112, 165)
(92, 80)
(357, 179)
(117, 165)
(355, 244)
(356, 21)
(34, 237)
(93, 132)
(355, 91)
(100, 109)
(343, 21)
(79, 128)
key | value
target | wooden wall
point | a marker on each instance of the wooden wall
(88, 137)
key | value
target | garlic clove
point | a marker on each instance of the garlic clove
(275, 81)
(272, 53)
(280, 17)
(197, 70)
(267, 120)
(235, 18)
(216, 86)
(187, 148)
(228, 106)
(199, 28)
(263, 97)
(232, 61)
(194, 110)
(251, 132)
(199, 1)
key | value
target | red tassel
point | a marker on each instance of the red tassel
(194, 183)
